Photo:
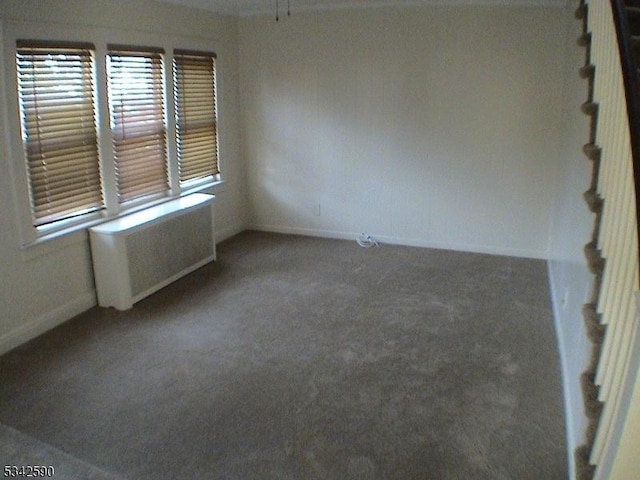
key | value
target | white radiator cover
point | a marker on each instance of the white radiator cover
(136, 255)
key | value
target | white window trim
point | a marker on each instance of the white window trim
(31, 236)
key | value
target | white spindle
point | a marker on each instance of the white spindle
(617, 238)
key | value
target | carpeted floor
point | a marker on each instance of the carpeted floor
(303, 358)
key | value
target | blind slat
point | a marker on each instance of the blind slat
(51, 175)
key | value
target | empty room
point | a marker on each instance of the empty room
(318, 239)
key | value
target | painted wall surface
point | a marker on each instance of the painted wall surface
(429, 126)
(46, 285)
(571, 228)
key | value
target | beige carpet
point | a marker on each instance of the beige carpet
(304, 358)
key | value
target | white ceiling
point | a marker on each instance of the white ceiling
(260, 7)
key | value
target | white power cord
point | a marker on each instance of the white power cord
(366, 241)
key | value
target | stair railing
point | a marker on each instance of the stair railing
(611, 384)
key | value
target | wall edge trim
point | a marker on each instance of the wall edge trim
(46, 322)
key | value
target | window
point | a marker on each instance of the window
(57, 113)
(195, 107)
(107, 128)
(136, 106)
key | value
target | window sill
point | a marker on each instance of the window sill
(49, 242)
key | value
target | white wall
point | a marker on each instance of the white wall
(571, 228)
(44, 286)
(429, 126)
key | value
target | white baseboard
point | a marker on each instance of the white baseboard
(566, 390)
(46, 322)
(409, 242)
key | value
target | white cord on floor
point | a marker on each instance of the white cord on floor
(366, 241)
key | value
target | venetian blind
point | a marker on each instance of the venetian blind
(136, 105)
(195, 107)
(56, 100)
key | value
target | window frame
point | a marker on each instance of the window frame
(154, 66)
(30, 236)
(38, 107)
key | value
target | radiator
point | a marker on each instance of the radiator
(137, 254)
